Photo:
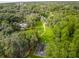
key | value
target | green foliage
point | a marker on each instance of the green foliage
(55, 24)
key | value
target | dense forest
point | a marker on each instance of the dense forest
(39, 30)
